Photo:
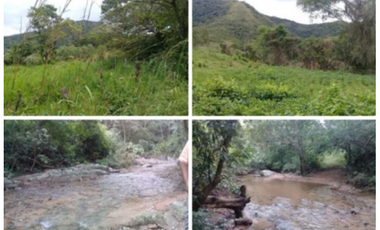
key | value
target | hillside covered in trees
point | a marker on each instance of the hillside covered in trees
(239, 21)
(133, 62)
(262, 61)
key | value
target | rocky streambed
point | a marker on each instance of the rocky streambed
(290, 202)
(150, 195)
(320, 201)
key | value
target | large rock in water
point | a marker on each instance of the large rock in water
(267, 173)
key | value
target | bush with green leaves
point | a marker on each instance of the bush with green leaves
(32, 145)
(68, 53)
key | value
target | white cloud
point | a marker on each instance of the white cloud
(15, 12)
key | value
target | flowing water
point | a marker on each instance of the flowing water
(295, 205)
(98, 202)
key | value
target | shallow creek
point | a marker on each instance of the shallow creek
(295, 205)
(97, 202)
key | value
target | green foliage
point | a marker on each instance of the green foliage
(33, 59)
(357, 41)
(148, 28)
(68, 53)
(48, 26)
(278, 41)
(356, 46)
(145, 139)
(272, 41)
(124, 154)
(284, 146)
(37, 145)
(237, 22)
(320, 30)
(358, 140)
(171, 147)
(153, 33)
(18, 53)
(158, 92)
(200, 36)
(332, 159)
(317, 53)
(211, 140)
(363, 180)
(256, 89)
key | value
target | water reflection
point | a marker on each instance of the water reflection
(291, 205)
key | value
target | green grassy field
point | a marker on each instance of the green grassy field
(157, 92)
(231, 85)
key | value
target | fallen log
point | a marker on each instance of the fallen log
(244, 221)
(235, 203)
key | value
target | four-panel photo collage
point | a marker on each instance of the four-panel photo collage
(180, 115)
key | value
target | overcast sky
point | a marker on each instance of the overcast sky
(16, 10)
(282, 9)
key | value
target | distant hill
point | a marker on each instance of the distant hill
(87, 26)
(317, 30)
(238, 21)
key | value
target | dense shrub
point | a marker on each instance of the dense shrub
(37, 145)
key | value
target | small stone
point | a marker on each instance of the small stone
(152, 226)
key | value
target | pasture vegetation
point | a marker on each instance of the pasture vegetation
(234, 85)
(132, 62)
(157, 92)
(247, 63)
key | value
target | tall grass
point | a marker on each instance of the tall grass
(158, 90)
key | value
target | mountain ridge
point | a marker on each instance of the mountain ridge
(238, 22)
(11, 40)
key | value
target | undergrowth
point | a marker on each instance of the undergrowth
(105, 87)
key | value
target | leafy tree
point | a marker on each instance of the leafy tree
(211, 141)
(358, 38)
(155, 137)
(46, 23)
(272, 40)
(279, 139)
(358, 139)
(18, 53)
(317, 53)
(146, 27)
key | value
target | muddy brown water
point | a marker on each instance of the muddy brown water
(96, 203)
(295, 205)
